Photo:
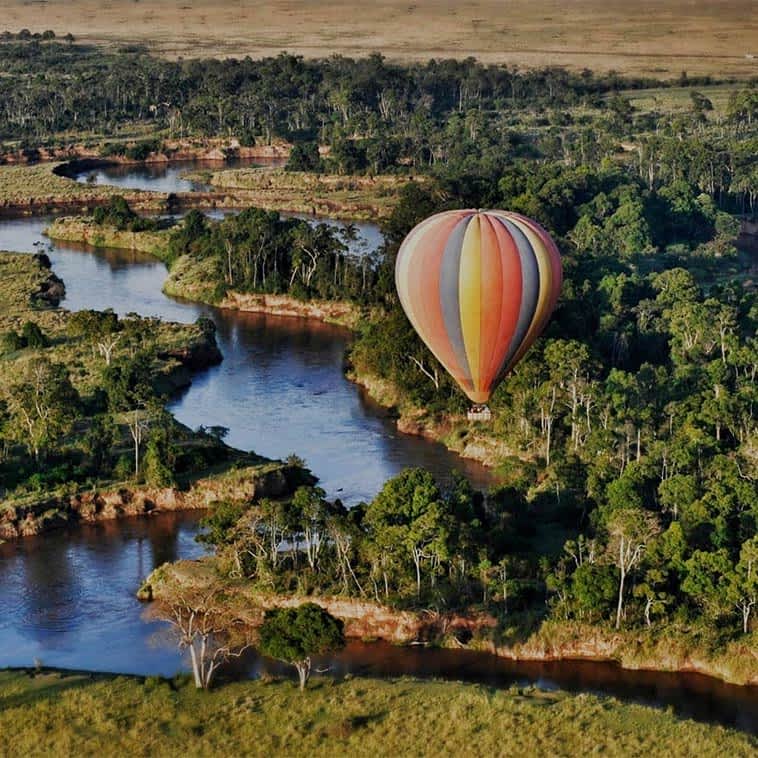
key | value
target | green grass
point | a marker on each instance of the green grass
(24, 184)
(84, 229)
(79, 714)
(677, 99)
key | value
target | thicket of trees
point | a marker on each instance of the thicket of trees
(631, 424)
(260, 251)
(113, 426)
(415, 545)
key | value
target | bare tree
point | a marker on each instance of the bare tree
(629, 530)
(430, 374)
(138, 421)
(204, 626)
(106, 344)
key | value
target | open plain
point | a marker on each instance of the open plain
(659, 38)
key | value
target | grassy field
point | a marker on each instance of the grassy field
(78, 714)
(677, 99)
(35, 187)
(651, 37)
(355, 197)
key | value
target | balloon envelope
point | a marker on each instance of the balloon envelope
(479, 288)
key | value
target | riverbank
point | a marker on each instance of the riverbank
(635, 649)
(192, 279)
(31, 292)
(46, 188)
(361, 198)
(472, 440)
(240, 484)
(101, 713)
(198, 280)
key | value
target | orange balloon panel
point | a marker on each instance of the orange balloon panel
(479, 288)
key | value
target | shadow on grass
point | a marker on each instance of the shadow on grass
(45, 683)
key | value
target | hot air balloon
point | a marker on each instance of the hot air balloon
(478, 288)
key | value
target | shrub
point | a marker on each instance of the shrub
(33, 336)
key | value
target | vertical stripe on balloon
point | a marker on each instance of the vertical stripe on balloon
(449, 294)
(470, 297)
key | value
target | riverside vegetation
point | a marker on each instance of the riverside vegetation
(84, 433)
(625, 441)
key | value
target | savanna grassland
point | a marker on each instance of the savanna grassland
(648, 37)
(97, 715)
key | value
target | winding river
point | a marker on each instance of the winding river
(68, 598)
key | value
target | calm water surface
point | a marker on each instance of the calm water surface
(68, 598)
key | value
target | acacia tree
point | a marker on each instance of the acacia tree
(201, 620)
(294, 635)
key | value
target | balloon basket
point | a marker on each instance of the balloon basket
(479, 413)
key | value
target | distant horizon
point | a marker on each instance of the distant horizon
(654, 39)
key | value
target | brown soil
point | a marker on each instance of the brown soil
(242, 485)
(331, 311)
(650, 37)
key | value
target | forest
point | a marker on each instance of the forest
(627, 493)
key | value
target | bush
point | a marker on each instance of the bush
(304, 157)
(33, 336)
(124, 468)
(10, 342)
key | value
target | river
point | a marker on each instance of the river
(68, 598)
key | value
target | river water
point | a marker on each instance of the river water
(68, 598)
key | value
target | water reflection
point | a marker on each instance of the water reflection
(165, 177)
(690, 695)
(68, 598)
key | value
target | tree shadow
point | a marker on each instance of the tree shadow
(47, 683)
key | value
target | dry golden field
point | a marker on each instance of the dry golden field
(651, 37)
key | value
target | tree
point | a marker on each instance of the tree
(160, 454)
(304, 156)
(742, 586)
(629, 530)
(42, 406)
(33, 336)
(294, 635)
(203, 625)
(128, 385)
(410, 515)
(706, 579)
(311, 510)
